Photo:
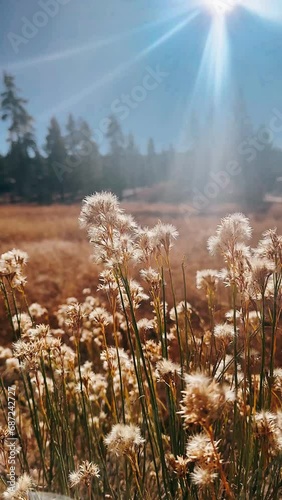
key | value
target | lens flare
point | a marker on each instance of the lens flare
(118, 71)
(221, 7)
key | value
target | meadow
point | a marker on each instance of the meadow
(59, 253)
(145, 364)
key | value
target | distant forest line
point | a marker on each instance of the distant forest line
(69, 165)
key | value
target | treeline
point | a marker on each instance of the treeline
(238, 163)
(69, 164)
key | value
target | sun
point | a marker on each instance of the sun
(221, 7)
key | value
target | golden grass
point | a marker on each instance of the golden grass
(229, 403)
(59, 252)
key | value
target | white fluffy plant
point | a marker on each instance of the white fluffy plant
(137, 394)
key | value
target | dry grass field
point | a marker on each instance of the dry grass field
(112, 400)
(59, 252)
(60, 264)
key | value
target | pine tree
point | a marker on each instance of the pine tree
(114, 164)
(151, 164)
(132, 167)
(57, 159)
(90, 171)
(4, 186)
(73, 136)
(72, 179)
(20, 135)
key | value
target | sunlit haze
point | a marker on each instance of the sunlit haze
(221, 7)
(85, 59)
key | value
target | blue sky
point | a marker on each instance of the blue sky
(89, 54)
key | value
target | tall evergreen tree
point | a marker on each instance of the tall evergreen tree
(91, 165)
(132, 167)
(57, 159)
(20, 135)
(73, 136)
(72, 178)
(114, 165)
(151, 164)
(4, 180)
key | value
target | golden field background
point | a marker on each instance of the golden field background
(246, 373)
(59, 252)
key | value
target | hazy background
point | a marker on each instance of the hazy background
(141, 94)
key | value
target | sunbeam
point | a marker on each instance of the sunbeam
(211, 89)
(270, 10)
(169, 34)
(117, 72)
(218, 56)
(213, 70)
(92, 46)
(57, 56)
(220, 7)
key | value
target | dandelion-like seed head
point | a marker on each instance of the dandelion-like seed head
(153, 350)
(229, 315)
(200, 449)
(260, 269)
(233, 229)
(145, 324)
(11, 267)
(97, 208)
(124, 439)
(268, 427)
(178, 465)
(145, 242)
(111, 232)
(270, 247)
(22, 322)
(166, 370)
(108, 282)
(152, 277)
(20, 490)
(137, 295)
(163, 236)
(37, 311)
(183, 308)
(277, 382)
(100, 317)
(40, 331)
(203, 399)
(203, 476)
(14, 257)
(207, 279)
(224, 332)
(265, 423)
(125, 223)
(84, 474)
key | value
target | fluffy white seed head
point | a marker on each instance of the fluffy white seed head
(203, 399)
(233, 229)
(20, 490)
(203, 476)
(84, 474)
(207, 279)
(124, 439)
